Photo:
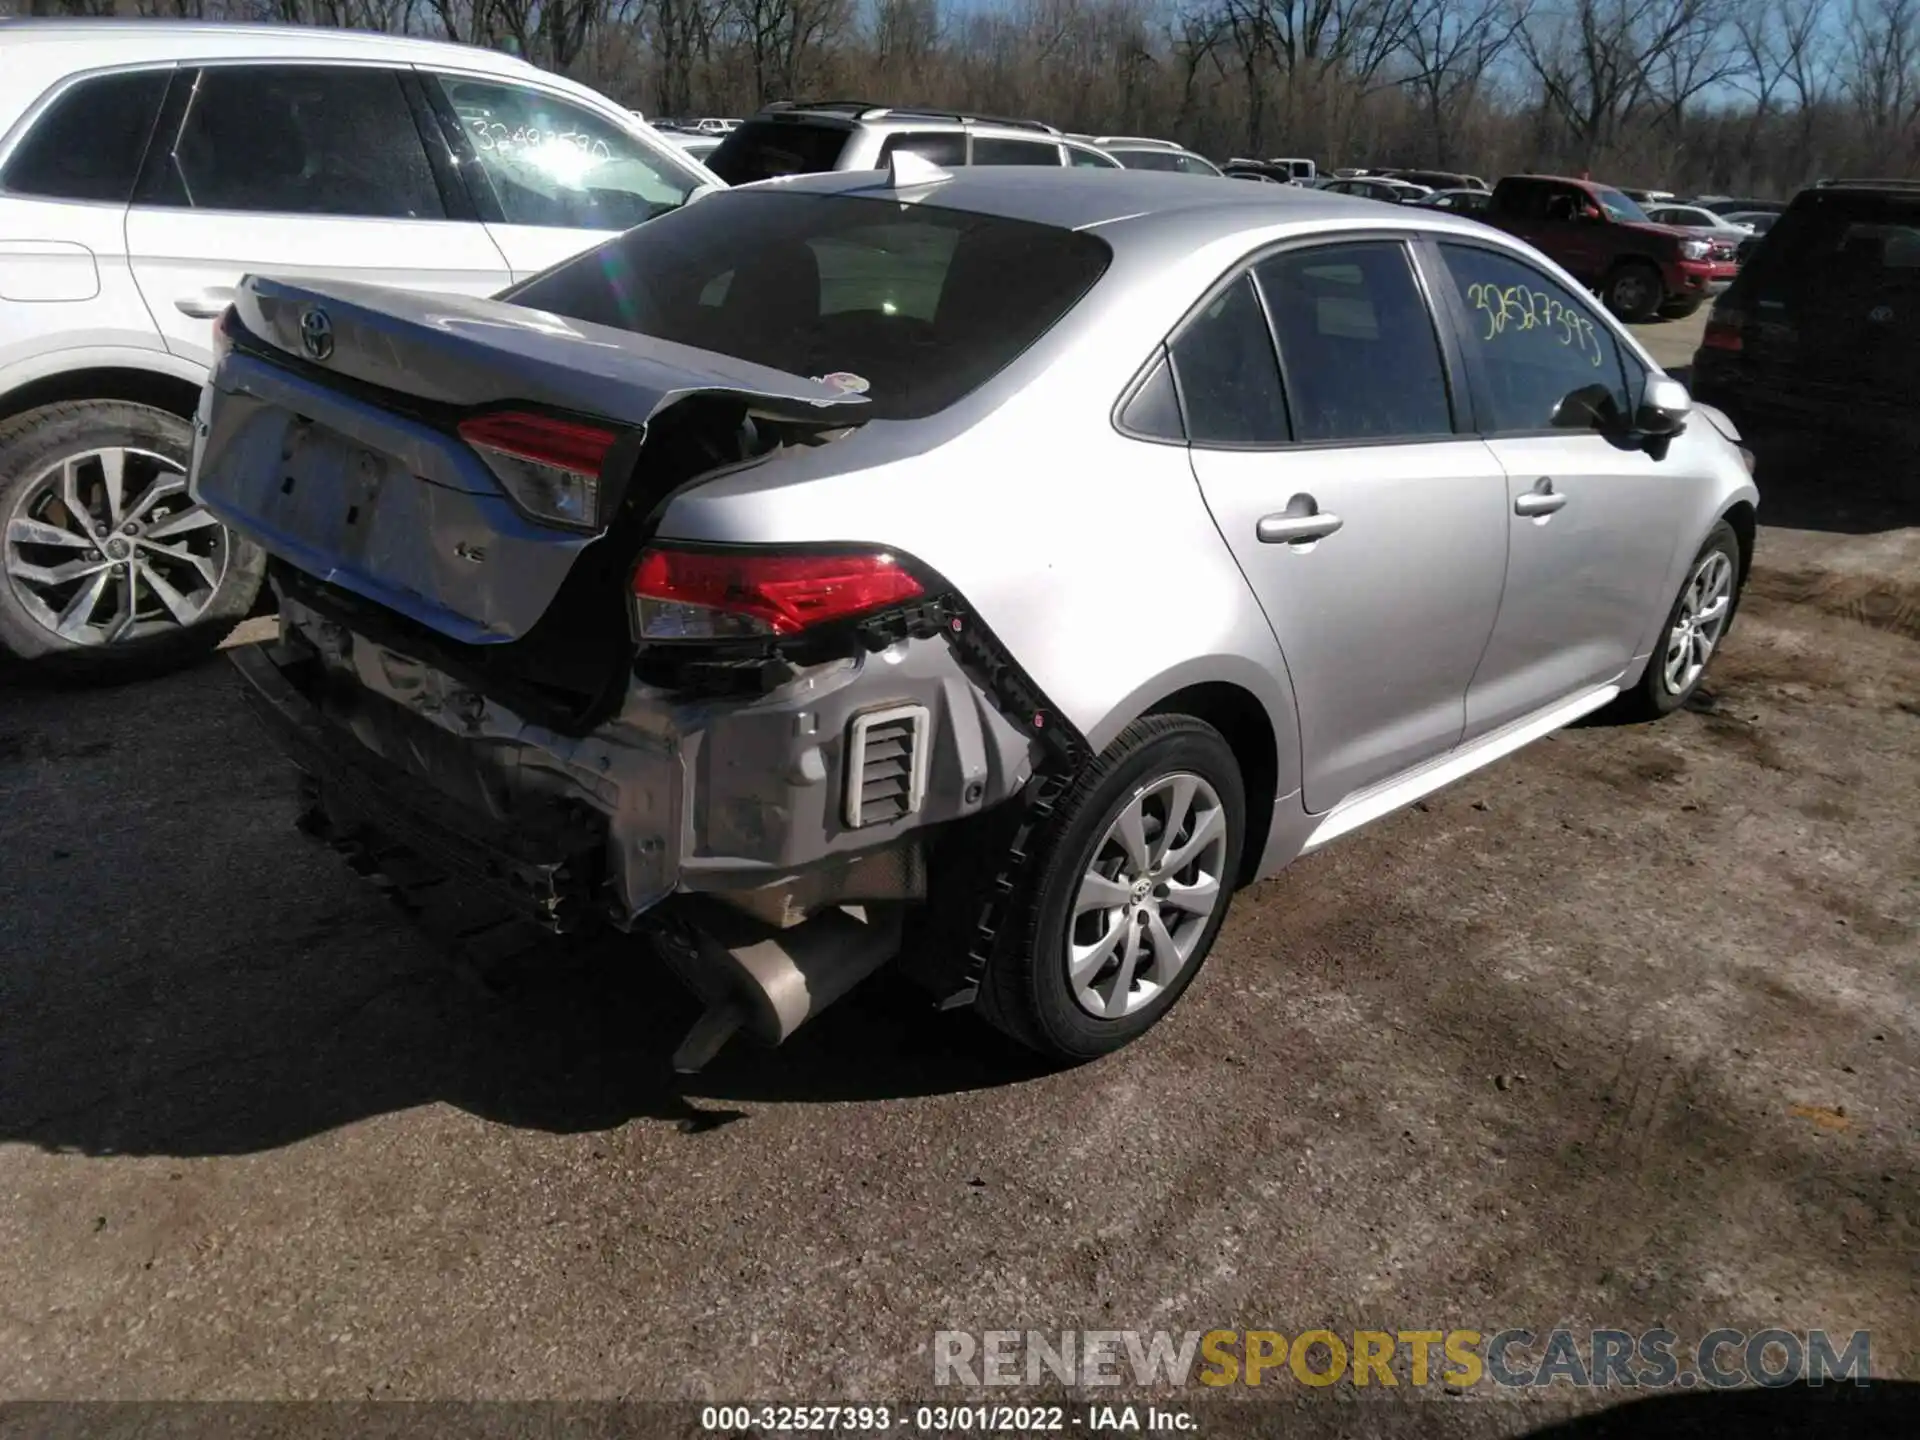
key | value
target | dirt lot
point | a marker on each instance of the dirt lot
(1625, 1030)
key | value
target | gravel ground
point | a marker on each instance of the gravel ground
(1624, 1030)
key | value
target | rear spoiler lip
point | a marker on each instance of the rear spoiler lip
(564, 364)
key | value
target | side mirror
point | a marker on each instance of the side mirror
(1664, 408)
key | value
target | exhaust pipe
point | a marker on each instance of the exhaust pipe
(770, 981)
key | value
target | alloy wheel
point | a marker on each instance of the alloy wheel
(107, 546)
(1702, 619)
(1152, 884)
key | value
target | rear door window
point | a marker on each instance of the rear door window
(994, 150)
(1357, 343)
(88, 144)
(915, 306)
(764, 149)
(299, 140)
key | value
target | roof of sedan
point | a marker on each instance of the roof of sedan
(1079, 199)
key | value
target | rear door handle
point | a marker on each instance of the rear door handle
(207, 304)
(1539, 502)
(1290, 528)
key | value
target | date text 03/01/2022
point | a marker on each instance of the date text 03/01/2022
(944, 1419)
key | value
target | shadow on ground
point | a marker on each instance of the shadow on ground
(181, 972)
(1814, 481)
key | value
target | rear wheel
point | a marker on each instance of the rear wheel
(1127, 892)
(1633, 291)
(107, 566)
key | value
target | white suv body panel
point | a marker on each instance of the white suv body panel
(88, 285)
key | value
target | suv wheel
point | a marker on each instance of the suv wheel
(1127, 892)
(107, 566)
(1633, 291)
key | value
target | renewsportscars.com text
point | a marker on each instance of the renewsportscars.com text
(1509, 1359)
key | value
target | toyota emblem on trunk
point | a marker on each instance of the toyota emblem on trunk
(1880, 314)
(316, 333)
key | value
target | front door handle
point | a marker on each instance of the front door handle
(1539, 502)
(208, 304)
(1292, 527)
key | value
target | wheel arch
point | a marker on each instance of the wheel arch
(164, 390)
(1248, 729)
(1744, 521)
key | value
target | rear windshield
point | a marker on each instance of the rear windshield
(762, 149)
(912, 304)
(1841, 244)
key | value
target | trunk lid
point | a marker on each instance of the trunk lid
(327, 436)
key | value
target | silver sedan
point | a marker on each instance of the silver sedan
(985, 573)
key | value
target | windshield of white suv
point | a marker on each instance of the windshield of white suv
(914, 306)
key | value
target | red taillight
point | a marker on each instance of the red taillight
(734, 594)
(550, 466)
(544, 439)
(1724, 329)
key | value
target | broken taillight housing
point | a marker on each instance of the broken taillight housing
(1724, 329)
(743, 594)
(551, 467)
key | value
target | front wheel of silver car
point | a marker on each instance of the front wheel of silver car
(107, 566)
(1128, 891)
(1696, 624)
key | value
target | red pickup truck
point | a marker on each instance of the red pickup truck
(1605, 240)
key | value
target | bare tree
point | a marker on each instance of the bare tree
(1451, 45)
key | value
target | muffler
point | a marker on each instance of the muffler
(767, 980)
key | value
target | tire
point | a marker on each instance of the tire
(1633, 291)
(1657, 694)
(1681, 309)
(158, 594)
(1027, 991)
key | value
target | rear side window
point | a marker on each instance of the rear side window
(300, 140)
(915, 305)
(1151, 159)
(88, 144)
(1357, 343)
(1228, 378)
(945, 148)
(992, 150)
(763, 149)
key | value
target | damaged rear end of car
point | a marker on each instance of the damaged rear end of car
(489, 656)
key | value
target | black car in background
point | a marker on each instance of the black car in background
(1822, 326)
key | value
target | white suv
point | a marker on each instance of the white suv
(144, 167)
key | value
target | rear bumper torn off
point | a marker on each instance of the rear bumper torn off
(740, 799)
